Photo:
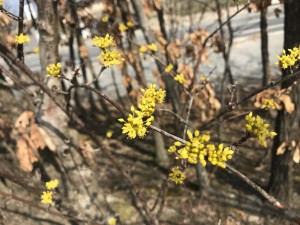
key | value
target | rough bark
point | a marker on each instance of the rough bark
(48, 45)
(287, 125)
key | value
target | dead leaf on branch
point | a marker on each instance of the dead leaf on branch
(296, 156)
(30, 138)
(287, 102)
(257, 5)
(206, 102)
(174, 50)
(187, 72)
(218, 44)
(281, 99)
(281, 149)
(290, 145)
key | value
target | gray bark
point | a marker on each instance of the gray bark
(48, 45)
(287, 125)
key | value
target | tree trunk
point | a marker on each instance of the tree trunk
(264, 46)
(287, 125)
(48, 45)
(161, 152)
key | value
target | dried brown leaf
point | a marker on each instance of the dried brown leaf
(257, 5)
(29, 140)
(296, 156)
(26, 155)
(174, 50)
(287, 102)
(281, 149)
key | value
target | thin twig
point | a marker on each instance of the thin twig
(229, 108)
(45, 209)
(9, 14)
(20, 48)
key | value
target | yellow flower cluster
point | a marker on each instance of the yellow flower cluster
(108, 57)
(109, 134)
(260, 129)
(203, 78)
(104, 42)
(218, 156)
(148, 48)
(104, 19)
(52, 184)
(289, 60)
(140, 119)
(196, 149)
(268, 104)
(21, 39)
(169, 68)
(122, 27)
(47, 196)
(180, 78)
(177, 175)
(54, 70)
(112, 221)
(1, 3)
(130, 24)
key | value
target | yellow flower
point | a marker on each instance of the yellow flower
(122, 27)
(153, 47)
(0, 3)
(109, 134)
(130, 24)
(179, 78)
(169, 68)
(135, 126)
(21, 39)
(177, 175)
(110, 58)
(203, 78)
(54, 70)
(260, 129)
(143, 49)
(289, 60)
(52, 184)
(218, 156)
(194, 151)
(141, 118)
(36, 50)
(104, 42)
(112, 221)
(104, 19)
(268, 103)
(47, 197)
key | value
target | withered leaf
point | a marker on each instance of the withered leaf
(296, 156)
(287, 102)
(29, 140)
